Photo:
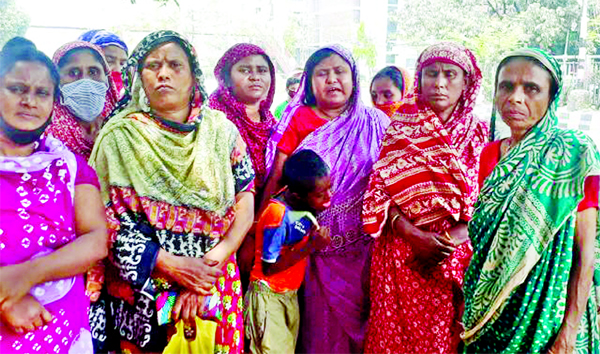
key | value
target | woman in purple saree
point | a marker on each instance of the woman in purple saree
(335, 300)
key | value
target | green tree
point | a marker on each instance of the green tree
(491, 28)
(13, 21)
(365, 48)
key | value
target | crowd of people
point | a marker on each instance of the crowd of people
(137, 209)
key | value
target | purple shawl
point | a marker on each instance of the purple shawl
(256, 135)
(350, 145)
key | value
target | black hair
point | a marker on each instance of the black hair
(393, 74)
(309, 69)
(67, 57)
(553, 84)
(301, 170)
(21, 49)
(291, 81)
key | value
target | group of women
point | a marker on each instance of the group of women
(441, 242)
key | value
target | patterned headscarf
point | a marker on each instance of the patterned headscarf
(256, 135)
(103, 38)
(134, 99)
(65, 126)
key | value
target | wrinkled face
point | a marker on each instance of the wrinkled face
(167, 78)
(332, 82)
(384, 91)
(82, 65)
(116, 57)
(292, 90)
(320, 198)
(442, 85)
(251, 79)
(523, 93)
(26, 95)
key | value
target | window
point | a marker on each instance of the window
(390, 59)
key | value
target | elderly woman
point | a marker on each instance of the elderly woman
(389, 88)
(528, 287)
(420, 197)
(115, 51)
(178, 186)
(328, 117)
(246, 78)
(52, 222)
(87, 96)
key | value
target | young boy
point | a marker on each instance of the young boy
(286, 233)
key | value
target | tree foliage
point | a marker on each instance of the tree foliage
(365, 49)
(492, 28)
(13, 21)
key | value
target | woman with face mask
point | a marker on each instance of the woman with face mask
(87, 96)
(115, 51)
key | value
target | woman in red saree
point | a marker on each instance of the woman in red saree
(420, 196)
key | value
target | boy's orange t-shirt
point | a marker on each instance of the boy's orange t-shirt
(279, 227)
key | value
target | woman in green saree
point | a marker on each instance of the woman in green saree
(529, 287)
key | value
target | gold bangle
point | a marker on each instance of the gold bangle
(396, 217)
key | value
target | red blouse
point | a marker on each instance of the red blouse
(491, 155)
(304, 122)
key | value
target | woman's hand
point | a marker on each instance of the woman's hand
(15, 282)
(430, 248)
(320, 239)
(194, 274)
(564, 342)
(25, 315)
(459, 234)
(187, 307)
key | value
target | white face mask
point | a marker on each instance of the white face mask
(85, 98)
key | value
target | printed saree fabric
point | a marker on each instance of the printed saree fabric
(255, 134)
(428, 169)
(37, 217)
(65, 126)
(335, 301)
(522, 232)
(168, 186)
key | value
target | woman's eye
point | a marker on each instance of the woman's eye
(94, 72)
(74, 73)
(17, 89)
(43, 93)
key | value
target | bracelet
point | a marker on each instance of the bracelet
(396, 217)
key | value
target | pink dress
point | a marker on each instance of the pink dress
(37, 217)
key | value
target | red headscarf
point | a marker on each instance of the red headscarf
(256, 135)
(65, 126)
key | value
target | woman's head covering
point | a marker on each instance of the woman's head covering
(134, 98)
(65, 126)
(354, 129)
(103, 38)
(499, 129)
(303, 94)
(256, 135)
(456, 54)
(402, 79)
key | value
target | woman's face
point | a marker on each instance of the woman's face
(115, 57)
(167, 78)
(26, 95)
(251, 79)
(384, 91)
(332, 82)
(82, 64)
(523, 93)
(442, 85)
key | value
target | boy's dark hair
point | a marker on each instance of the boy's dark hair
(301, 171)
(291, 81)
